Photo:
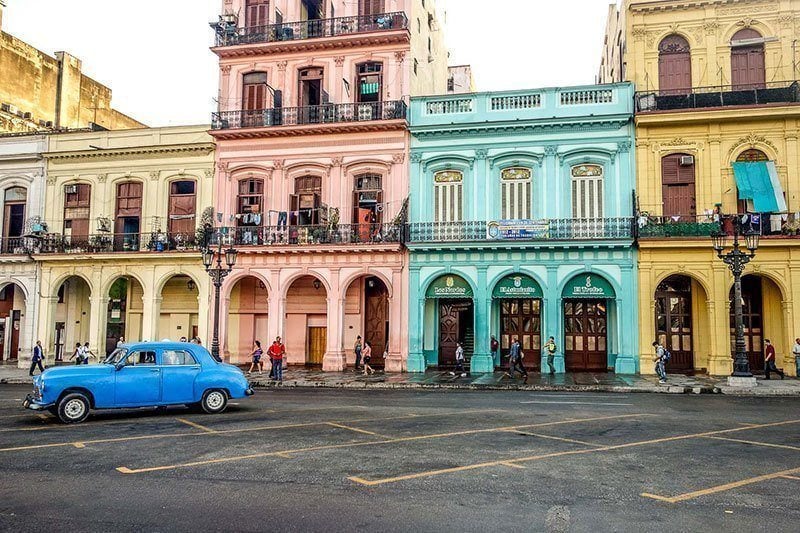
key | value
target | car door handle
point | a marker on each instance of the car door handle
(156, 370)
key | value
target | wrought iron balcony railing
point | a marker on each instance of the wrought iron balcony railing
(784, 92)
(288, 235)
(111, 242)
(522, 230)
(13, 246)
(771, 225)
(319, 114)
(310, 29)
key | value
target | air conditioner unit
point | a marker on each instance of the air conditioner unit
(27, 115)
(687, 160)
(48, 124)
(5, 108)
(71, 189)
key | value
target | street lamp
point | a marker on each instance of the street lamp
(736, 260)
(218, 274)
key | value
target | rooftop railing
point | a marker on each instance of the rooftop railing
(311, 29)
(319, 114)
(565, 229)
(784, 92)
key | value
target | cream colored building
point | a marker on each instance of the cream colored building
(121, 256)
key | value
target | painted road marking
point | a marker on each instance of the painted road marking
(573, 403)
(357, 430)
(126, 470)
(230, 431)
(512, 465)
(431, 473)
(562, 439)
(720, 488)
(195, 425)
(791, 477)
(756, 443)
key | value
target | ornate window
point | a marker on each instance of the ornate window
(515, 190)
(674, 65)
(182, 205)
(306, 201)
(448, 196)
(752, 155)
(250, 202)
(587, 191)
(370, 82)
(748, 67)
(77, 203)
(256, 13)
(368, 199)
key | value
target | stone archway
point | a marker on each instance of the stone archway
(306, 321)
(179, 309)
(72, 318)
(248, 314)
(366, 313)
(13, 320)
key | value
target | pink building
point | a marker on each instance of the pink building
(312, 171)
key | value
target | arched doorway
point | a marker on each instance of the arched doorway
(586, 299)
(367, 314)
(455, 312)
(180, 309)
(680, 313)
(247, 318)
(306, 324)
(12, 321)
(72, 316)
(748, 68)
(125, 312)
(518, 300)
(763, 319)
(674, 66)
(678, 186)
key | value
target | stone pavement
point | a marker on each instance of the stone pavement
(435, 379)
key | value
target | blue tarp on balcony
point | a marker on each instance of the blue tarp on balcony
(758, 181)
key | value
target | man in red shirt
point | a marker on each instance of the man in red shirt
(769, 360)
(276, 353)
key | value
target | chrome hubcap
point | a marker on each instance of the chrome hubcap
(215, 400)
(74, 409)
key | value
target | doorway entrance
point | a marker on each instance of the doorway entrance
(585, 336)
(456, 318)
(522, 319)
(674, 321)
(317, 341)
(753, 314)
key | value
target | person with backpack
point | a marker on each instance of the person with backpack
(660, 359)
(38, 357)
(550, 348)
(515, 360)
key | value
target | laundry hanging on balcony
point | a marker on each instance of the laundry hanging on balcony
(758, 181)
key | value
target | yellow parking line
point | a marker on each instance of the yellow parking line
(126, 470)
(791, 477)
(195, 425)
(561, 454)
(551, 437)
(357, 430)
(720, 488)
(512, 465)
(756, 443)
(79, 445)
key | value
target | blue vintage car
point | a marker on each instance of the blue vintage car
(149, 374)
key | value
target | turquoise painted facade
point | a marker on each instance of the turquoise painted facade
(521, 221)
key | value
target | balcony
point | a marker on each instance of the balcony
(375, 116)
(302, 34)
(313, 236)
(786, 226)
(775, 93)
(104, 243)
(565, 229)
(14, 246)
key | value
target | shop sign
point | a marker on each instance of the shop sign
(517, 286)
(588, 286)
(518, 229)
(449, 287)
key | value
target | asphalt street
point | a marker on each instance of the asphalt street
(336, 460)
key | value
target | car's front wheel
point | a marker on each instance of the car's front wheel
(214, 401)
(73, 408)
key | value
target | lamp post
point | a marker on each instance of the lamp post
(218, 273)
(737, 259)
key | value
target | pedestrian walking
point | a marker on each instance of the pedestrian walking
(459, 361)
(77, 354)
(515, 360)
(88, 353)
(660, 360)
(550, 349)
(256, 355)
(367, 355)
(120, 342)
(276, 354)
(357, 349)
(769, 360)
(38, 357)
(494, 346)
(796, 353)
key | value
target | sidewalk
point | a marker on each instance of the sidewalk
(435, 379)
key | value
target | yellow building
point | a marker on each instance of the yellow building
(40, 92)
(716, 100)
(120, 256)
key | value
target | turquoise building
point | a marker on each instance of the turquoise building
(521, 225)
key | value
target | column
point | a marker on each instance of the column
(553, 318)
(720, 362)
(334, 359)
(788, 365)
(224, 310)
(151, 317)
(203, 309)
(627, 362)
(46, 325)
(396, 326)
(482, 361)
(98, 316)
(416, 323)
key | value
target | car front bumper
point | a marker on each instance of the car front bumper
(249, 391)
(32, 403)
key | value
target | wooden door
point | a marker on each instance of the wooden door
(317, 344)
(747, 62)
(674, 322)
(13, 225)
(371, 7)
(521, 318)
(753, 314)
(16, 320)
(674, 66)
(678, 186)
(585, 336)
(256, 13)
(376, 320)
(182, 201)
(128, 216)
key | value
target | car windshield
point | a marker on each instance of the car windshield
(116, 356)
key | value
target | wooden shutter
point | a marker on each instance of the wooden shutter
(129, 199)
(371, 7)
(678, 187)
(182, 207)
(674, 66)
(256, 13)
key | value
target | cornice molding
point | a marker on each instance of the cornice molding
(118, 153)
(512, 128)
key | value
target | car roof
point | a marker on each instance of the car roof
(163, 345)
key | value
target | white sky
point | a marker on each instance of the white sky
(154, 53)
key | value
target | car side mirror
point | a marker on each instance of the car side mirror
(119, 366)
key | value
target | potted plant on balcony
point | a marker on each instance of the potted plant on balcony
(205, 230)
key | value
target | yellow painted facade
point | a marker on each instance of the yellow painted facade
(40, 92)
(166, 289)
(716, 137)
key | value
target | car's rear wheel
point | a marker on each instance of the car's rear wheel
(214, 401)
(73, 408)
